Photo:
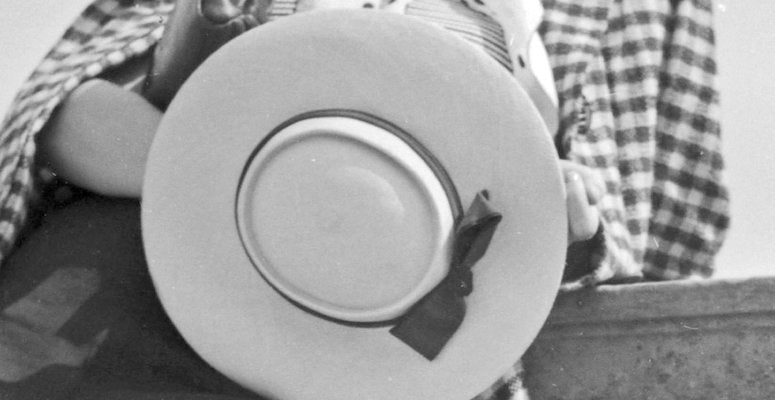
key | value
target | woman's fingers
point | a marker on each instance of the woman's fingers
(583, 191)
(593, 184)
(583, 217)
(195, 29)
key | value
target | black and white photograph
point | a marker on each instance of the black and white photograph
(387, 200)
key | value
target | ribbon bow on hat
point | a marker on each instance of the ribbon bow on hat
(433, 320)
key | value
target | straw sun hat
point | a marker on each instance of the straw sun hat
(354, 205)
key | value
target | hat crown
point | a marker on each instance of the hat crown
(343, 217)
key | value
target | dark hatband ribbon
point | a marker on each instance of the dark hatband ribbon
(430, 323)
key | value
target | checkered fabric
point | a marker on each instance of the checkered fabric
(636, 82)
(106, 34)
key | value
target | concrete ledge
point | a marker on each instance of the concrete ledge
(711, 339)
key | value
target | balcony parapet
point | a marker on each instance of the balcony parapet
(709, 339)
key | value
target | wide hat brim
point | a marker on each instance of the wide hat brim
(460, 104)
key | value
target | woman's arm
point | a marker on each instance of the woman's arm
(100, 135)
(99, 139)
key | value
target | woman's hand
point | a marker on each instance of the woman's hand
(583, 191)
(196, 29)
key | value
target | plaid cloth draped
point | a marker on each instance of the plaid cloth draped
(105, 35)
(638, 104)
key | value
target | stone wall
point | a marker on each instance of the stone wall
(675, 340)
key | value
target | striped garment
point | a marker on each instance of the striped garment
(636, 83)
(478, 29)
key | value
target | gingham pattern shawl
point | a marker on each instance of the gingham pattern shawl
(105, 35)
(636, 82)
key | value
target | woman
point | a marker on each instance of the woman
(638, 138)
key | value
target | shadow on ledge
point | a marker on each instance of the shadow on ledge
(712, 339)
